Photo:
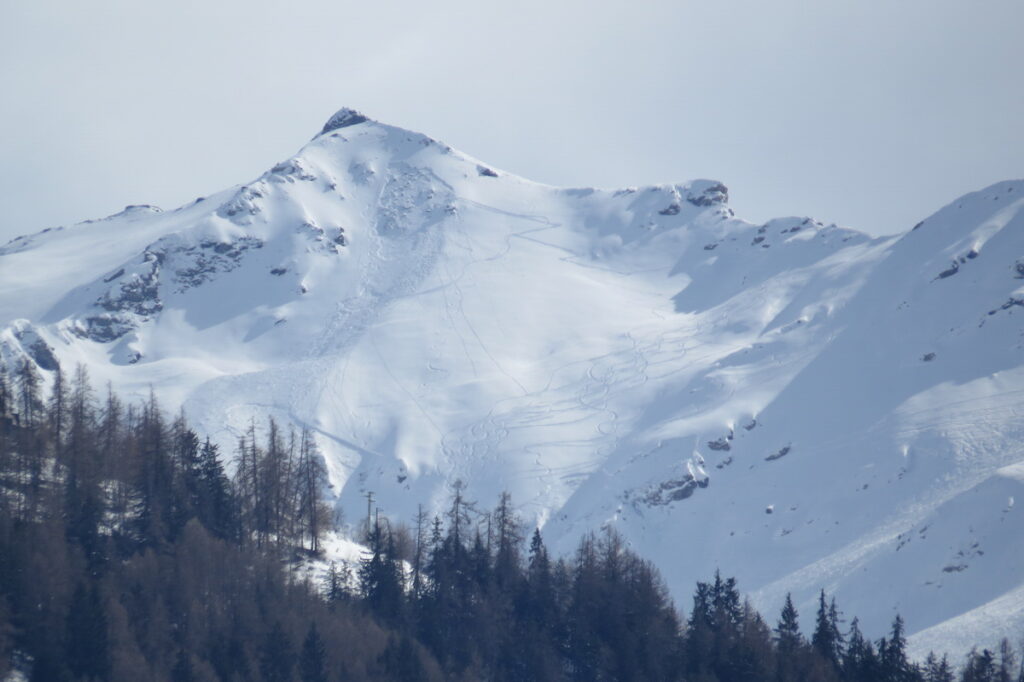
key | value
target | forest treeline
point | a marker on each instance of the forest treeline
(127, 552)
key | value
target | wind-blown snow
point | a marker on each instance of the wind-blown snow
(639, 357)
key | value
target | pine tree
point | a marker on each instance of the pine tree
(827, 640)
(277, 661)
(936, 670)
(216, 505)
(380, 578)
(540, 604)
(1007, 661)
(186, 461)
(893, 654)
(787, 631)
(860, 664)
(509, 538)
(335, 584)
(789, 644)
(313, 659)
(400, 661)
(419, 553)
(700, 635)
(86, 642)
(981, 667)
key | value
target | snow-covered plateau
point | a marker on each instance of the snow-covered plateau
(801, 405)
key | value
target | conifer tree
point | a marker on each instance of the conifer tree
(788, 644)
(980, 667)
(936, 670)
(216, 506)
(893, 654)
(277, 660)
(787, 631)
(30, 404)
(86, 642)
(419, 552)
(400, 662)
(313, 659)
(827, 640)
(380, 578)
(1007, 662)
(509, 538)
(860, 664)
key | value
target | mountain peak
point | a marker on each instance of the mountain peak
(343, 118)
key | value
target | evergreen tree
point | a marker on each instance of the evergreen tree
(419, 553)
(1007, 662)
(401, 663)
(787, 631)
(860, 664)
(313, 659)
(380, 578)
(893, 654)
(981, 667)
(86, 641)
(335, 584)
(509, 538)
(215, 503)
(277, 661)
(184, 593)
(540, 605)
(827, 640)
(700, 636)
(936, 670)
(789, 644)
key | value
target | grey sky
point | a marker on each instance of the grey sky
(869, 113)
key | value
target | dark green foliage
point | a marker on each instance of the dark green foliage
(126, 553)
(827, 639)
(892, 655)
(123, 555)
(313, 659)
(401, 661)
(981, 667)
(936, 670)
(380, 578)
(86, 640)
(277, 659)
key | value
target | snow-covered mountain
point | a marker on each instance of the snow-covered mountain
(798, 404)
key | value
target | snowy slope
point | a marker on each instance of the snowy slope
(640, 358)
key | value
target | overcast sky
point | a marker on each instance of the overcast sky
(869, 113)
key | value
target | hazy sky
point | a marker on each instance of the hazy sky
(870, 113)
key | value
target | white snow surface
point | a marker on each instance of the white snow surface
(798, 404)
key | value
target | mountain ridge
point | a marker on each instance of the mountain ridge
(638, 357)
